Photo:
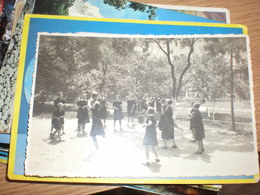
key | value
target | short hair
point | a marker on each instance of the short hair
(169, 101)
(150, 111)
(196, 105)
(150, 103)
(94, 94)
(60, 104)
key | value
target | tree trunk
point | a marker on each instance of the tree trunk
(185, 68)
(214, 111)
(207, 104)
(232, 92)
(173, 83)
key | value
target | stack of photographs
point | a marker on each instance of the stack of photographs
(4, 147)
(133, 101)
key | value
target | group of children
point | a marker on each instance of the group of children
(145, 111)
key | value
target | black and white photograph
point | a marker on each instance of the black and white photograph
(141, 106)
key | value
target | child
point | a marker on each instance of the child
(59, 99)
(161, 120)
(82, 113)
(58, 120)
(150, 137)
(192, 129)
(103, 104)
(167, 125)
(131, 110)
(118, 113)
(198, 128)
(97, 126)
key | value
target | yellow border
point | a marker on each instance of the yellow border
(18, 93)
(132, 181)
(17, 97)
(3, 161)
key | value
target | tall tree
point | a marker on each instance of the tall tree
(233, 49)
(167, 49)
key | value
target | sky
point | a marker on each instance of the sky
(99, 9)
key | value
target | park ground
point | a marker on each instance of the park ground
(121, 153)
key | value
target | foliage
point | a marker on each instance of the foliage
(209, 77)
(178, 71)
(53, 7)
(122, 4)
(76, 65)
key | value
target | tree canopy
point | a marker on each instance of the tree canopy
(122, 4)
(61, 7)
(53, 7)
(116, 65)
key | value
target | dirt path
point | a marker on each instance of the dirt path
(121, 153)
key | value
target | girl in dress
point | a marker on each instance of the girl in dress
(198, 127)
(97, 126)
(118, 113)
(131, 110)
(103, 109)
(161, 120)
(82, 114)
(59, 99)
(150, 137)
(191, 128)
(58, 120)
(167, 125)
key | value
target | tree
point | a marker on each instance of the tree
(60, 58)
(169, 52)
(208, 77)
(53, 7)
(233, 54)
(122, 4)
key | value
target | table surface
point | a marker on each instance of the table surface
(241, 12)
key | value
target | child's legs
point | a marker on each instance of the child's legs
(59, 135)
(147, 153)
(165, 142)
(83, 127)
(120, 124)
(173, 142)
(200, 144)
(132, 119)
(79, 125)
(62, 128)
(193, 132)
(52, 126)
(56, 131)
(155, 153)
(114, 123)
(95, 141)
(57, 128)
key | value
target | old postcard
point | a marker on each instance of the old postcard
(218, 14)
(132, 106)
(126, 96)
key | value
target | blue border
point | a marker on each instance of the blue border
(4, 138)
